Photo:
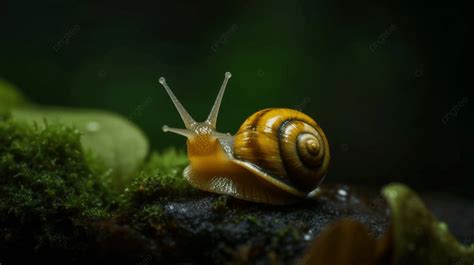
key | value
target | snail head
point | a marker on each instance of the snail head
(202, 136)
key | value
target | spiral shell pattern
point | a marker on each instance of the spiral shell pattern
(286, 144)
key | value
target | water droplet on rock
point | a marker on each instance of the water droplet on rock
(308, 235)
(342, 192)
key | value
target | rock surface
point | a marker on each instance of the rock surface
(210, 229)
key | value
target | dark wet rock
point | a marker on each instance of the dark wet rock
(205, 228)
(211, 229)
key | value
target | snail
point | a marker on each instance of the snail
(277, 156)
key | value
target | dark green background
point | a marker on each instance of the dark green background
(381, 108)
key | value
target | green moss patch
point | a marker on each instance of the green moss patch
(161, 178)
(48, 191)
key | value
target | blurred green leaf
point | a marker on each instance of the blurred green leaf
(120, 144)
(418, 237)
(9, 96)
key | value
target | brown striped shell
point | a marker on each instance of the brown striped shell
(285, 144)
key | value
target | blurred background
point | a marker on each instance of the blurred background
(386, 81)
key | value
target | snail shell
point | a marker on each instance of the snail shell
(277, 156)
(287, 144)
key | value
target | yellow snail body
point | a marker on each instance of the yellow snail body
(277, 156)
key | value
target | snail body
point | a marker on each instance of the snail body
(277, 156)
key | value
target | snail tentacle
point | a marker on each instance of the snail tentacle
(184, 132)
(185, 116)
(212, 118)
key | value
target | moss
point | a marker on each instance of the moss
(168, 159)
(220, 204)
(160, 178)
(148, 215)
(284, 234)
(48, 191)
(249, 218)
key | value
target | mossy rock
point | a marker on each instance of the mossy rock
(49, 190)
(57, 206)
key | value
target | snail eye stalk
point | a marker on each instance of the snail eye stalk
(184, 132)
(194, 128)
(185, 116)
(212, 118)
